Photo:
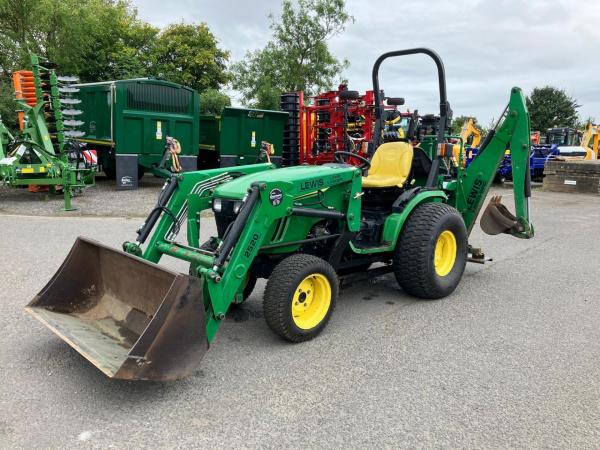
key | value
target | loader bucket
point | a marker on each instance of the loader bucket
(132, 319)
(498, 219)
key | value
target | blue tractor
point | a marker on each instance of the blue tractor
(538, 157)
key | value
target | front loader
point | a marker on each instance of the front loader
(408, 209)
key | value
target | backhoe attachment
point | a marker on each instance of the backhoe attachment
(511, 132)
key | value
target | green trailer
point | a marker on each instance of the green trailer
(128, 121)
(234, 137)
(209, 146)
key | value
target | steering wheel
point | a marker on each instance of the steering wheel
(339, 157)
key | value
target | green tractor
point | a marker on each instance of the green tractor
(407, 210)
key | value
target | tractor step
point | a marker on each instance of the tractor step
(354, 277)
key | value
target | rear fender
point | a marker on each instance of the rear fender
(395, 221)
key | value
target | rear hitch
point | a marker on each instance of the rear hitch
(476, 255)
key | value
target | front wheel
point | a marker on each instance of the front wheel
(431, 253)
(300, 297)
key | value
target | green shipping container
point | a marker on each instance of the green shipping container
(134, 117)
(235, 136)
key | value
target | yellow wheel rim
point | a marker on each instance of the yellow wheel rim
(311, 301)
(445, 253)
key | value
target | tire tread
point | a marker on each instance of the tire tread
(277, 292)
(411, 258)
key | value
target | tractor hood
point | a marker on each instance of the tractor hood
(304, 179)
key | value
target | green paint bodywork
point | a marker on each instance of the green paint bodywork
(135, 117)
(395, 221)
(5, 138)
(331, 187)
(242, 130)
(473, 184)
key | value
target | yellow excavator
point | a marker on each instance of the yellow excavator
(590, 140)
(470, 134)
(471, 137)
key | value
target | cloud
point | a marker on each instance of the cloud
(487, 46)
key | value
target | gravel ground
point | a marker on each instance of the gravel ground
(100, 200)
(511, 359)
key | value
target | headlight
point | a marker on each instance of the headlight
(217, 205)
(236, 207)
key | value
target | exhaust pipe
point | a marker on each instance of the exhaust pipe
(132, 319)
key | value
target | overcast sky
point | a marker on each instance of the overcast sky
(487, 46)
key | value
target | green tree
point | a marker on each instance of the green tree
(189, 55)
(213, 101)
(551, 107)
(582, 123)
(119, 47)
(102, 40)
(95, 39)
(18, 23)
(297, 57)
(7, 105)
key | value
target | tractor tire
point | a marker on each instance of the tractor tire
(431, 253)
(110, 173)
(300, 297)
(248, 288)
(499, 179)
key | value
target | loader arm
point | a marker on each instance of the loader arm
(473, 184)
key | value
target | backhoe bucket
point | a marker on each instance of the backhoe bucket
(132, 319)
(498, 219)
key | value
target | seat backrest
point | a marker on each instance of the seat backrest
(392, 159)
(421, 165)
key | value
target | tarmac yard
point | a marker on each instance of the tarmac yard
(511, 359)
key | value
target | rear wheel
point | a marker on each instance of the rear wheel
(431, 253)
(300, 297)
(110, 172)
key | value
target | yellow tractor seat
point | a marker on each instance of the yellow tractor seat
(390, 165)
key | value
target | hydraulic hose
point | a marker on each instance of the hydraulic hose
(231, 238)
(160, 207)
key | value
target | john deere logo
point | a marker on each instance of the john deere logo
(275, 197)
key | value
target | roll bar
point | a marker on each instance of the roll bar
(444, 105)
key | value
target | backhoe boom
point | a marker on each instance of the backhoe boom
(475, 181)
